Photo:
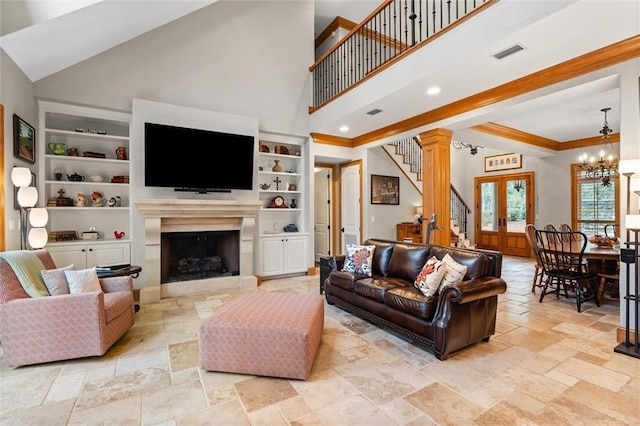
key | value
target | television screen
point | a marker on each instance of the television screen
(195, 159)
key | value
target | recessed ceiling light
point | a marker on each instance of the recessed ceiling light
(433, 90)
(344, 128)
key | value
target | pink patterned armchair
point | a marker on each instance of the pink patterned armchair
(53, 328)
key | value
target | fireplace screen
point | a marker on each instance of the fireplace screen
(187, 256)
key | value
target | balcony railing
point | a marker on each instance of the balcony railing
(394, 29)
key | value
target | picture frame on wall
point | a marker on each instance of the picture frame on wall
(24, 140)
(502, 162)
(385, 190)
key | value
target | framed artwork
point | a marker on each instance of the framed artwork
(502, 162)
(385, 189)
(24, 140)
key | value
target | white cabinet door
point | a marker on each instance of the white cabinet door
(89, 255)
(271, 256)
(295, 254)
(106, 254)
(75, 255)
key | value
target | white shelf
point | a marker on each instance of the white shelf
(69, 158)
(58, 123)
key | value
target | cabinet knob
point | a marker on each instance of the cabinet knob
(90, 249)
(83, 250)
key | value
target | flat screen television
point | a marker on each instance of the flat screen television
(197, 160)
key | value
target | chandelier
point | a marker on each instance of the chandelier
(473, 149)
(606, 166)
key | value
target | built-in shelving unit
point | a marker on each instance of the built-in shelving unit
(282, 252)
(94, 133)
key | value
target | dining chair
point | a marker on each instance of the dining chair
(612, 230)
(562, 259)
(565, 228)
(538, 275)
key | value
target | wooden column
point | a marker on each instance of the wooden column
(436, 183)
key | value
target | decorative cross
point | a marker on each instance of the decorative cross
(60, 192)
(278, 182)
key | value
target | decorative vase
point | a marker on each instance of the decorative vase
(277, 167)
(293, 203)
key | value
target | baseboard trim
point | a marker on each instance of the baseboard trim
(621, 337)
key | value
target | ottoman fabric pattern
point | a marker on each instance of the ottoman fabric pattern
(264, 333)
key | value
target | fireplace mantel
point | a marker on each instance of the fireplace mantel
(198, 208)
(171, 215)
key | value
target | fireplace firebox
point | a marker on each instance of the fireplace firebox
(187, 256)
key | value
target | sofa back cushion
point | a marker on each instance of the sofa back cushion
(381, 256)
(407, 261)
(478, 265)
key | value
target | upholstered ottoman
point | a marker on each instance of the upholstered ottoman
(264, 333)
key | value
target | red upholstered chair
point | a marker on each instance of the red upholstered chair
(34, 330)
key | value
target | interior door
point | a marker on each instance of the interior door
(504, 206)
(350, 202)
(322, 213)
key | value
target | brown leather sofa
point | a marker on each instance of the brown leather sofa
(457, 316)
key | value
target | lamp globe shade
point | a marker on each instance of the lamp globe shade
(38, 217)
(21, 176)
(27, 196)
(632, 221)
(38, 237)
(629, 167)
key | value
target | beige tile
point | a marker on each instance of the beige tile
(592, 373)
(227, 414)
(350, 411)
(444, 405)
(184, 355)
(170, 402)
(259, 392)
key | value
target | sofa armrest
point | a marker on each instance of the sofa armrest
(471, 290)
(113, 284)
(51, 313)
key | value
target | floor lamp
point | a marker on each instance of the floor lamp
(27, 198)
(631, 258)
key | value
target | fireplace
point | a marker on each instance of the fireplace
(187, 256)
(224, 232)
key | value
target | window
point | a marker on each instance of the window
(594, 206)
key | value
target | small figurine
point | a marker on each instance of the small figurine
(81, 200)
(97, 200)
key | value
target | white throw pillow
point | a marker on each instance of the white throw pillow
(56, 281)
(429, 279)
(455, 271)
(359, 259)
(83, 281)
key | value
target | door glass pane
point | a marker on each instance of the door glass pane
(516, 205)
(489, 206)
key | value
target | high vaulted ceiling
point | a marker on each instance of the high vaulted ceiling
(41, 36)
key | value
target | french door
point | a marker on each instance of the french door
(504, 205)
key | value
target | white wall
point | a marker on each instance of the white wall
(386, 216)
(246, 58)
(17, 96)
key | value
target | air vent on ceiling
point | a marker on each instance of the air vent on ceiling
(509, 51)
(374, 111)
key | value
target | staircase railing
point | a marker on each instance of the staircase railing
(391, 31)
(459, 210)
(411, 151)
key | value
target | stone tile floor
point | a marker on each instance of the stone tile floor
(546, 365)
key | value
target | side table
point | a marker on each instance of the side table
(132, 270)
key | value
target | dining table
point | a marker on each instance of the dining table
(603, 260)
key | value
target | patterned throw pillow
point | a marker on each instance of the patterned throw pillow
(56, 281)
(359, 259)
(454, 273)
(83, 281)
(429, 279)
